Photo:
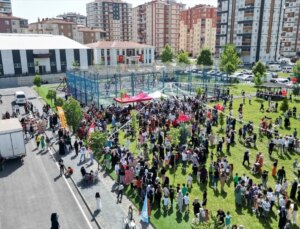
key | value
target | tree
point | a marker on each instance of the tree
(296, 90)
(174, 136)
(59, 102)
(221, 119)
(73, 113)
(75, 64)
(51, 95)
(296, 70)
(183, 57)
(97, 141)
(37, 81)
(205, 58)
(122, 93)
(284, 105)
(199, 91)
(259, 72)
(183, 134)
(229, 59)
(134, 121)
(167, 54)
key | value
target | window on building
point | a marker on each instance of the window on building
(17, 65)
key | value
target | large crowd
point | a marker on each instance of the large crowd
(146, 172)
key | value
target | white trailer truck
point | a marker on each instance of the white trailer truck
(12, 144)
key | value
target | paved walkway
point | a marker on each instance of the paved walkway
(112, 214)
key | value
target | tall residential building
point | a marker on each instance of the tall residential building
(5, 7)
(112, 16)
(254, 26)
(74, 17)
(69, 29)
(11, 24)
(198, 29)
(157, 23)
(290, 36)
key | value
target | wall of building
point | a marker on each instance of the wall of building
(10, 82)
(13, 60)
(253, 26)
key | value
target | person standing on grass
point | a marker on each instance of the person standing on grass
(186, 200)
(227, 220)
(281, 175)
(246, 157)
(172, 194)
(180, 201)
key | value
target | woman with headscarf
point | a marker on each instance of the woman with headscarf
(180, 201)
(294, 189)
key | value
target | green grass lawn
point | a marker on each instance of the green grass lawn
(284, 74)
(216, 199)
(225, 201)
(43, 91)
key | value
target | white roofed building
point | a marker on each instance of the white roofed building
(28, 54)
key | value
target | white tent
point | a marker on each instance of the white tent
(157, 95)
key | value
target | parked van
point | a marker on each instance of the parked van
(287, 69)
(20, 97)
(274, 68)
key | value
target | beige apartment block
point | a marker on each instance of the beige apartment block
(156, 23)
(290, 36)
(66, 28)
(112, 16)
(198, 29)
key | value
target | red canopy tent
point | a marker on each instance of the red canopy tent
(219, 107)
(137, 98)
(183, 118)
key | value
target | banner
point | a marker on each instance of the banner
(144, 215)
(62, 118)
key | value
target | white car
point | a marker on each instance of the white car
(20, 98)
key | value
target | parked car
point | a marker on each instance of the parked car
(20, 98)
(287, 69)
(275, 68)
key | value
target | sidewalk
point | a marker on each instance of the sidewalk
(112, 214)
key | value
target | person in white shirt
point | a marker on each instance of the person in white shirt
(189, 181)
(186, 200)
(82, 154)
(184, 159)
(277, 190)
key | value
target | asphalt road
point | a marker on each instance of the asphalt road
(32, 190)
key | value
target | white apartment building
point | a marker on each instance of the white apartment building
(198, 29)
(290, 36)
(113, 53)
(112, 16)
(74, 17)
(157, 23)
(5, 7)
(26, 54)
(253, 26)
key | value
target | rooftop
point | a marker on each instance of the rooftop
(5, 16)
(13, 41)
(87, 29)
(118, 44)
(10, 125)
